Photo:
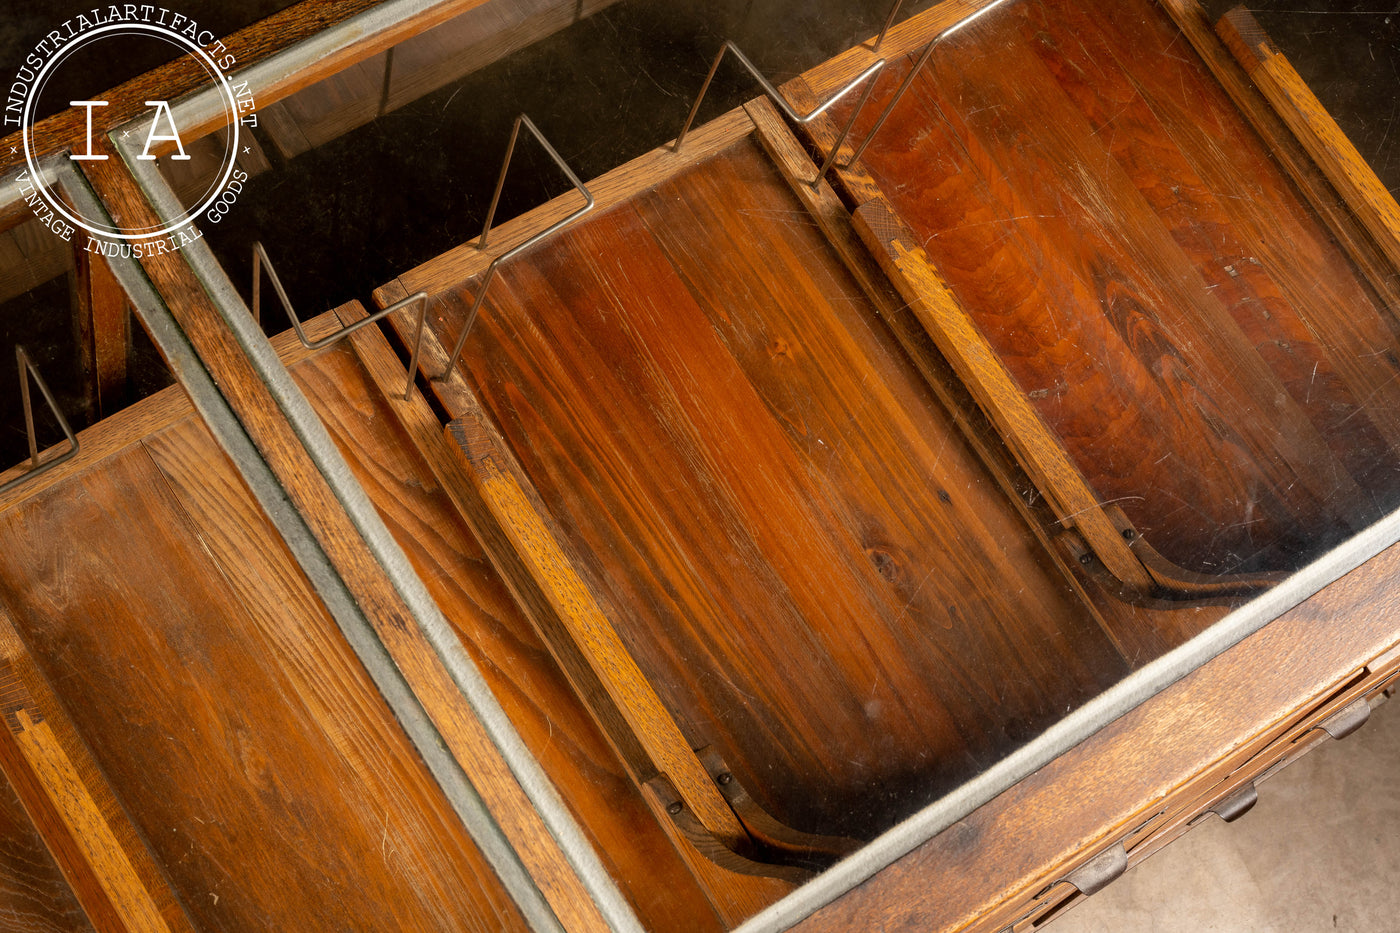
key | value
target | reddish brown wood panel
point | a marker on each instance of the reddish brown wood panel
(230, 717)
(552, 720)
(1141, 630)
(1180, 318)
(815, 572)
(118, 886)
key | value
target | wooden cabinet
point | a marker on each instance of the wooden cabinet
(917, 544)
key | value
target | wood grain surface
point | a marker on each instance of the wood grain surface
(1283, 145)
(1295, 103)
(701, 395)
(111, 872)
(398, 453)
(447, 271)
(115, 433)
(308, 489)
(1015, 845)
(736, 886)
(1140, 629)
(590, 631)
(1212, 362)
(987, 377)
(34, 898)
(230, 717)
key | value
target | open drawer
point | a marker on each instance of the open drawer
(740, 514)
(758, 550)
(1194, 370)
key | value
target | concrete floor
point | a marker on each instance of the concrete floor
(1319, 852)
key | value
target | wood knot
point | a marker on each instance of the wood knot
(888, 562)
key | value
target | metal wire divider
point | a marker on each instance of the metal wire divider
(885, 29)
(490, 275)
(776, 96)
(27, 369)
(913, 72)
(261, 261)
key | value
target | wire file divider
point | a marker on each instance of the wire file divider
(589, 202)
(261, 261)
(867, 76)
(27, 371)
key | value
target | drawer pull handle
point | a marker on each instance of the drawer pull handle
(1100, 871)
(1237, 804)
(1348, 720)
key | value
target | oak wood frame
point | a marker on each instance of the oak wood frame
(1345, 602)
(877, 883)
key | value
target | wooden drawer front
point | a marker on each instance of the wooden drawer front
(1225, 788)
(1091, 873)
(1338, 716)
(1341, 713)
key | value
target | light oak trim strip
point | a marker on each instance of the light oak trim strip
(519, 513)
(1379, 271)
(734, 896)
(110, 871)
(831, 215)
(117, 432)
(1038, 450)
(1294, 101)
(480, 457)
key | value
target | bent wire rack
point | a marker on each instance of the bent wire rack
(909, 78)
(490, 275)
(867, 76)
(261, 261)
(28, 370)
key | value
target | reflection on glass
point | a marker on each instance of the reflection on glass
(841, 534)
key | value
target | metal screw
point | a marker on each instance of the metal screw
(675, 808)
(724, 778)
(1129, 534)
(1084, 559)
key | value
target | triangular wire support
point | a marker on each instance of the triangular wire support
(27, 369)
(490, 275)
(914, 72)
(261, 261)
(885, 29)
(776, 96)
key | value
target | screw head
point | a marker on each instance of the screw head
(675, 808)
(725, 778)
(1129, 534)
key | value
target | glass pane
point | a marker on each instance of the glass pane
(1205, 349)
